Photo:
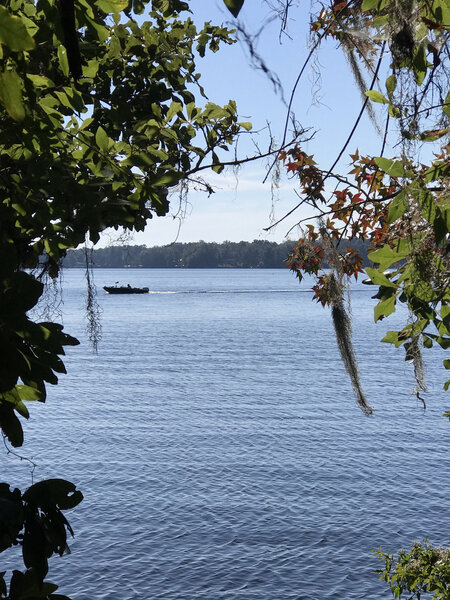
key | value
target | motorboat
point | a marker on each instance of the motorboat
(125, 289)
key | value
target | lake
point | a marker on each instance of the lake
(219, 447)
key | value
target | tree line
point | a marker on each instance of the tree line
(259, 254)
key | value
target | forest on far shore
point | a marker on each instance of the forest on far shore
(259, 254)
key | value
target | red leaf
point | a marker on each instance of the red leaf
(339, 6)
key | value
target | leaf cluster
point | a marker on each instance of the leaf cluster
(403, 210)
(102, 151)
(424, 569)
(34, 520)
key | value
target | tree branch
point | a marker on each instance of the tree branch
(344, 147)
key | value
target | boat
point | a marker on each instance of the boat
(124, 289)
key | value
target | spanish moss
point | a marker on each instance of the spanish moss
(343, 330)
(93, 311)
(360, 81)
(414, 354)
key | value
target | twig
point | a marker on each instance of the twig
(20, 457)
(344, 147)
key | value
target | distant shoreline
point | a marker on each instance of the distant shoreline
(175, 267)
(259, 254)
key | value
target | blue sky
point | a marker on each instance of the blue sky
(242, 206)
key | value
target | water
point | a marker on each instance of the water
(219, 448)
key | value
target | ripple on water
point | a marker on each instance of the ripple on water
(221, 454)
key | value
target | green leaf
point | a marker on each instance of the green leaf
(379, 278)
(86, 123)
(382, 20)
(391, 83)
(433, 134)
(443, 342)
(394, 168)
(102, 32)
(373, 4)
(13, 32)
(441, 12)
(10, 424)
(398, 206)
(385, 308)
(112, 6)
(420, 64)
(169, 178)
(87, 8)
(142, 159)
(392, 337)
(445, 313)
(22, 410)
(91, 68)
(11, 95)
(427, 341)
(234, 6)
(40, 82)
(428, 207)
(28, 393)
(53, 493)
(376, 96)
(63, 60)
(446, 363)
(246, 125)
(394, 111)
(386, 255)
(446, 107)
(174, 109)
(438, 169)
(102, 139)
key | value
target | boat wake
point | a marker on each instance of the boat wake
(227, 291)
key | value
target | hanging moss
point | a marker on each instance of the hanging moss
(93, 310)
(343, 330)
(414, 355)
